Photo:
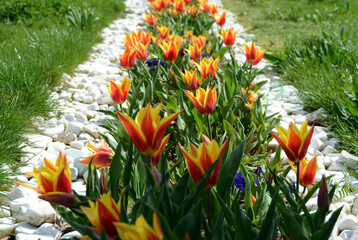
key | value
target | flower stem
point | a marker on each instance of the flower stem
(209, 126)
(298, 180)
(208, 192)
(250, 73)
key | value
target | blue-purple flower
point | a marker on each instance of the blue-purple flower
(239, 181)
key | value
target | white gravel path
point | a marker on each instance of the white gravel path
(82, 93)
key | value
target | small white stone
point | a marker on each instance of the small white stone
(87, 99)
(6, 227)
(355, 207)
(22, 236)
(51, 123)
(79, 186)
(4, 212)
(335, 238)
(71, 235)
(25, 227)
(74, 173)
(56, 147)
(346, 234)
(312, 204)
(85, 137)
(20, 192)
(75, 127)
(20, 215)
(348, 222)
(93, 130)
(354, 235)
(336, 167)
(316, 143)
(77, 144)
(49, 230)
(39, 213)
(319, 114)
(328, 149)
(69, 117)
(85, 175)
(52, 132)
(350, 160)
(39, 141)
(93, 106)
(66, 137)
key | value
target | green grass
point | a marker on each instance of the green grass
(37, 45)
(315, 44)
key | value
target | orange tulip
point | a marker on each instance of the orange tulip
(141, 230)
(193, 11)
(228, 36)
(156, 155)
(147, 130)
(119, 92)
(293, 141)
(142, 51)
(102, 156)
(194, 51)
(103, 214)
(208, 66)
(145, 38)
(191, 80)
(187, 1)
(253, 54)
(163, 31)
(204, 101)
(179, 5)
(150, 19)
(52, 178)
(251, 97)
(220, 20)
(159, 5)
(171, 49)
(199, 40)
(307, 171)
(132, 38)
(127, 59)
(198, 160)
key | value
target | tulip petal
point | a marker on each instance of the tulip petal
(289, 153)
(196, 171)
(306, 143)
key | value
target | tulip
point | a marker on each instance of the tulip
(145, 38)
(253, 54)
(199, 41)
(194, 51)
(141, 230)
(214, 9)
(119, 92)
(147, 130)
(323, 196)
(132, 38)
(228, 36)
(52, 178)
(156, 155)
(187, 1)
(103, 214)
(127, 59)
(307, 171)
(251, 97)
(179, 5)
(220, 20)
(193, 11)
(102, 156)
(208, 66)
(60, 198)
(204, 101)
(150, 19)
(191, 80)
(170, 49)
(163, 31)
(293, 141)
(142, 51)
(198, 160)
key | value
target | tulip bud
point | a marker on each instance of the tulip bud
(323, 197)
(102, 182)
(172, 77)
(61, 198)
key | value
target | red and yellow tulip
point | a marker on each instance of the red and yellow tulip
(220, 20)
(194, 51)
(102, 156)
(193, 11)
(251, 97)
(150, 19)
(141, 230)
(163, 31)
(159, 5)
(208, 66)
(171, 49)
(103, 214)
(127, 59)
(204, 101)
(253, 54)
(142, 51)
(200, 41)
(147, 130)
(179, 6)
(228, 36)
(52, 178)
(307, 171)
(119, 92)
(293, 141)
(190, 79)
(198, 160)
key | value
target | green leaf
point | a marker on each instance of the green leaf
(180, 188)
(326, 228)
(245, 229)
(115, 172)
(190, 223)
(277, 157)
(269, 227)
(229, 169)
(294, 224)
(219, 227)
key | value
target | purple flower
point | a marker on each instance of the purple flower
(256, 182)
(258, 171)
(205, 55)
(239, 181)
(293, 186)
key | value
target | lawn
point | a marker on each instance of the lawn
(37, 44)
(315, 44)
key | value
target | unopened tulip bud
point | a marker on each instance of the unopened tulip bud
(61, 198)
(172, 77)
(102, 182)
(323, 197)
